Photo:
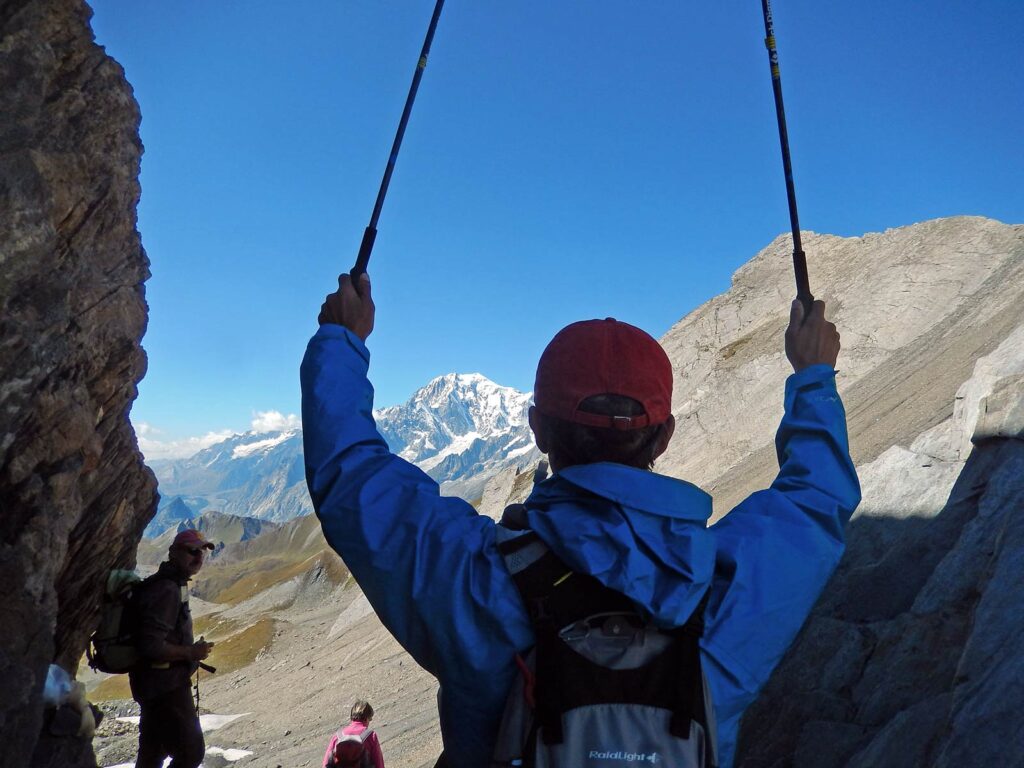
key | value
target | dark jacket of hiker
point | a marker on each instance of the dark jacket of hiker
(162, 615)
(430, 566)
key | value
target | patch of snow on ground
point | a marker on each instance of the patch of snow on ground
(213, 722)
(206, 722)
(231, 755)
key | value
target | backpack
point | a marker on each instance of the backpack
(603, 686)
(350, 750)
(111, 648)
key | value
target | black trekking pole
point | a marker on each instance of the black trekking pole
(370, 233)
(803, 288)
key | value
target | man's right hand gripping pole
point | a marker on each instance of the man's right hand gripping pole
(811, 339)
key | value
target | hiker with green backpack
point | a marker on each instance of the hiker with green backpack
(603, 622)
(168, 656)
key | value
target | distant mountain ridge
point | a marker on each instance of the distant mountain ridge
(461, 429)
(254, 474)
(218, 528)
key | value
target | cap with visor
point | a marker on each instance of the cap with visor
(604, 357)
(190, 538)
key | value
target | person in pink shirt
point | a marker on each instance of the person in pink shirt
(362, 714)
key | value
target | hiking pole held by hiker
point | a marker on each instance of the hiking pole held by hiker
(803, 288)
(370, 233)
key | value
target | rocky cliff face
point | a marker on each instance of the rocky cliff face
(74, 492)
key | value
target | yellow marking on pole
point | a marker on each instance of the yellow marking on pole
(423, 62)
(775, 70)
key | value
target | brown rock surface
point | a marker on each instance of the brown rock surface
(72, 312)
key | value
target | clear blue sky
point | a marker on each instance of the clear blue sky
(564, 160)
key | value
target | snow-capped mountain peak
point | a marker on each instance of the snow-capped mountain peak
(450, 413)
(460, 428)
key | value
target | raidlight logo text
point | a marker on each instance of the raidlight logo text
(625, 757)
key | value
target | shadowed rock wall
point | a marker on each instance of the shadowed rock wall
(914, 655)
(74, 493)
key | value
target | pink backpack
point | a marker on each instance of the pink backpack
(350, 749)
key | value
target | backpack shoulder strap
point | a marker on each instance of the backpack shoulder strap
(361, 737)
(554, 595)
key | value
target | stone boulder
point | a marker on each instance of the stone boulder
(74, 492)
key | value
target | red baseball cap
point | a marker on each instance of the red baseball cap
(190, 537)
(604, 357)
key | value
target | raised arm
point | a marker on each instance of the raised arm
(778, 548)
(426, 562)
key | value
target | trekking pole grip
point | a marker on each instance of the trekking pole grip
(365, 248)
(803, 289)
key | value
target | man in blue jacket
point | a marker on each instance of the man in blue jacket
(430, 565)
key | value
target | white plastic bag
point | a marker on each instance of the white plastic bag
(57, 687)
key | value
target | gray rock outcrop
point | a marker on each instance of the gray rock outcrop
(74, 493)
(916, 306)
(914, 654)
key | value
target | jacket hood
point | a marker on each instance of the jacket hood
(637, 532)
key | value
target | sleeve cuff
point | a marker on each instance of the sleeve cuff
(808, 378)
(341, 333)
(810, 374)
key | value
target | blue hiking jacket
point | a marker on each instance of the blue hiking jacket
(430, 567)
